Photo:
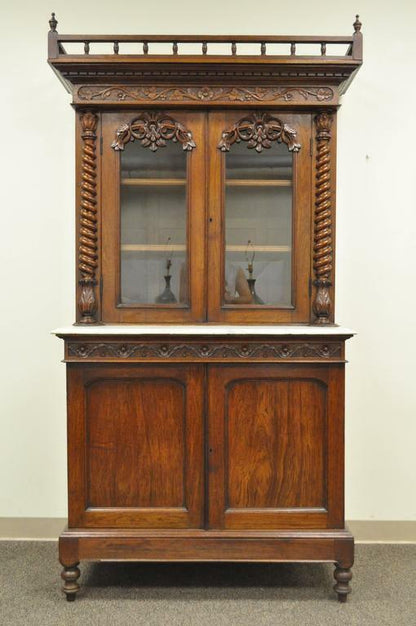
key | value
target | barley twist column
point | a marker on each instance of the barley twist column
(322, 249)
(87, 250)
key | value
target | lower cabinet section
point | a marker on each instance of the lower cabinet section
(206, 461)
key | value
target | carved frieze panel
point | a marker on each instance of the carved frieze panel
(199, 94)
(234, 351)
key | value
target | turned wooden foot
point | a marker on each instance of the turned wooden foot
(70, 575)
(342, 587)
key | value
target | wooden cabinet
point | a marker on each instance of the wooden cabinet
(205, 373)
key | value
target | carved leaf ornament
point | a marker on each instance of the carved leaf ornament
(153, 130)
(259, 130)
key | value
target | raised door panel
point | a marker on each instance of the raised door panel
(270, 429)
(136, 444)
(274, 446)
(139, 455)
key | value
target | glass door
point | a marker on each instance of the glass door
(153, 214)
(154, 250)
(259, 212)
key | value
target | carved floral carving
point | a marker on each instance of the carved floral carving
(204, 351)
(259, 130)
(153, 130)
(120, 93)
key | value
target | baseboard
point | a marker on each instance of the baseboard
(31, 528)
(48, 529)
(380, 531)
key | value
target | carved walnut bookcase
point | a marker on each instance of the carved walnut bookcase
(205, 373)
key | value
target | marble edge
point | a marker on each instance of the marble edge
(193, 330)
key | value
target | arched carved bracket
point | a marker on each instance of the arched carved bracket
(153, 130)
(87, 247)
(322, 249)
(259, 130)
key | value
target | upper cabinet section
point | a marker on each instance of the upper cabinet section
(205, 174)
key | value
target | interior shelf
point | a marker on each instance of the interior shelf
(257, 182)
(138, 247)
(153, 182)
(243, 248)
(230, 182)
(152, 247)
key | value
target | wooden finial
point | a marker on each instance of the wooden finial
(357, 24)
(53, 23)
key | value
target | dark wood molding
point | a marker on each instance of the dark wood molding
(206, 545)
(153, 129)
(323, 241)
(87, 245)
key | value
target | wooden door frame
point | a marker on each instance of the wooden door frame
(191, 515)
(219, 121)
(329, 516)
(112, 311)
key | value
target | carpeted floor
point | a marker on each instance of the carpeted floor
(120, 594)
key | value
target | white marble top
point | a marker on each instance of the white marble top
(202, 329)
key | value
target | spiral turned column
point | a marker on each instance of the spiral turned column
(87, 250)
(322, 249)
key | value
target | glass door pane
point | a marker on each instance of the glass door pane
(153, 221)
(258, 226)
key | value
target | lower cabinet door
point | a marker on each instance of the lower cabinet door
(135, 446)
(275, 446)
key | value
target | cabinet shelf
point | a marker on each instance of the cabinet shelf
(152, 247)
(134, 247)
(153, 182)
(267, 249)
(248, 182)
(231, 182)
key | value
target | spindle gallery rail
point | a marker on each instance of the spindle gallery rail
(258, 44)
